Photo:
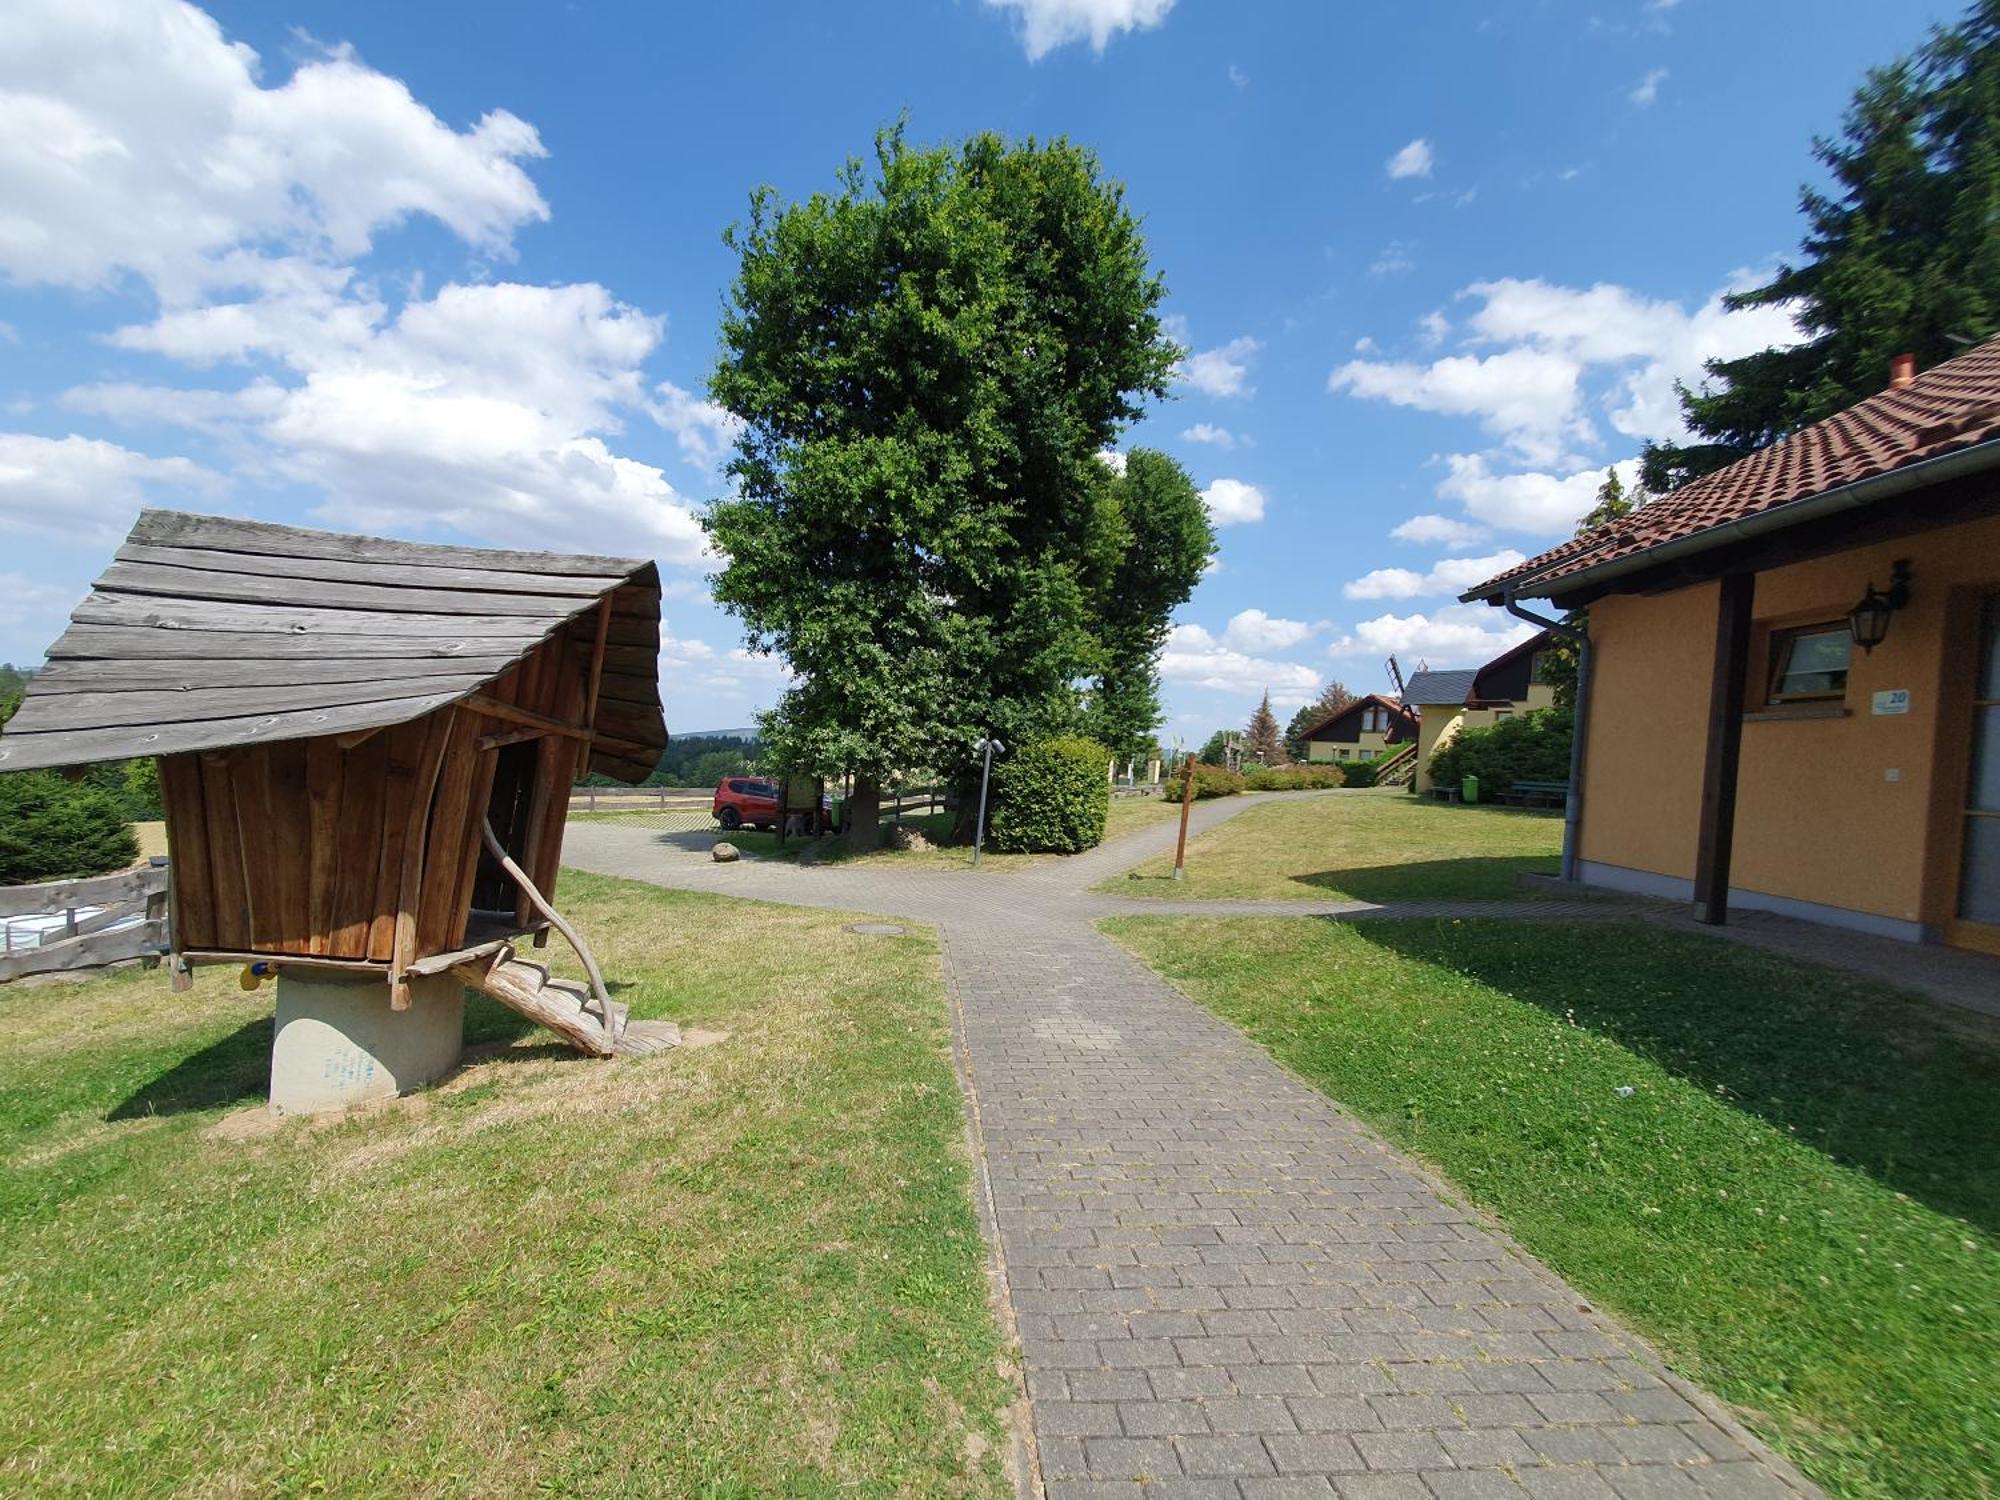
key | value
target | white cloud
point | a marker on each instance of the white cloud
(136, 137)
(1231, 502)
(1528, 397)
(1112, 459)
(32, 613)
(1393, 261)
(1439, 531)
(1224, 371)
(77, 488)
(1196, 658)
(1433, 327)
(1647, 93)
(705, 431)
(1048, 24)
(1414, 160)
(1450, 575)
(1208, 432)
(1532, 501)
(1453, 635)
(1253, 630)
(1237, 76)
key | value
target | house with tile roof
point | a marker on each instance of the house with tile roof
(1790, 695)
(1448, 703)
(1369, 728)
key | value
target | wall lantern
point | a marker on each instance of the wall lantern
(1868, 621)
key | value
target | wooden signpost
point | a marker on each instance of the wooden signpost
(1187, 801)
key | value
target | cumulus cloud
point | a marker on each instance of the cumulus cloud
(1231, 502)
(1045, 25)
(1450, 575)
(1453, 635)
(1414, 160)
(1208, 432)
(1223, 371)
(1647, 93)
(1196, 658)
(1439, 531)
(1112, 459)
(1540, 365)
(1253, 630)
(137, 138)
(705, 431)
(77, 488)
(1529, 398)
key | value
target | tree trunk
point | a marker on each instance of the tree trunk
(864, 815)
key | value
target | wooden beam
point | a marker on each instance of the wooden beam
(493, 708)
(1727, 684)
(597, 659)
(500, 739)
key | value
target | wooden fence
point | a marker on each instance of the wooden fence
(106, 919)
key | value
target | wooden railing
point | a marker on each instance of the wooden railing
(105, 920)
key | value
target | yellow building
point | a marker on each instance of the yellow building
(1792, 693)
(1451, 702)
(1367, 729)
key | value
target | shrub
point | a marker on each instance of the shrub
(1527, 747)
(1358, 773)
(52, 829)
(1216, 781)
(1294, 778)
(1051, 797)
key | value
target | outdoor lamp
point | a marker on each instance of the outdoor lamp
(1868, 621)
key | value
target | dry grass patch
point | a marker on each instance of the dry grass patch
(746, 1268)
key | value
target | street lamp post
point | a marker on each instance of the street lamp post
(989, 745)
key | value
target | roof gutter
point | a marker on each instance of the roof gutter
(1851, 496)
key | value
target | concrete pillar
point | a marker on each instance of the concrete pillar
(339, 1044)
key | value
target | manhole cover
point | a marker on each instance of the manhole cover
(877, 929)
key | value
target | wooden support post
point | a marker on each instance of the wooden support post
(1187, 801)
(1727, 685)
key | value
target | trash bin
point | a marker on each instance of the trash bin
(1468, 789)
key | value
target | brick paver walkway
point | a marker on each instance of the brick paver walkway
(1223, 1286)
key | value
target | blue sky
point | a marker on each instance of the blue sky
(452, 271)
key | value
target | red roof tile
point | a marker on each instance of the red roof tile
(1955, 405)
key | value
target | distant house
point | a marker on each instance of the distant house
(1367, 729)
(1476, 698)
(1793, 695)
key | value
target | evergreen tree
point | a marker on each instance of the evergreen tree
(1331, 700)
(1901, 254)
(1263, 741)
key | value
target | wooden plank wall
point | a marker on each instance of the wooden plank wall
(311, 849)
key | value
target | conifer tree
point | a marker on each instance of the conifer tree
(1263, 741)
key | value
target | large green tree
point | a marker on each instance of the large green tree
(1901, 253)
(1153, 538)
(927, 362)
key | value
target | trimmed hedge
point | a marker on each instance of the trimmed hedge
(1216, 781)
(1295, 778)
(52, 829)
(1359, 772)
(1051, 797)
(1526, 747)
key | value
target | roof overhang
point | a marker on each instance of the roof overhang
(1594, 579)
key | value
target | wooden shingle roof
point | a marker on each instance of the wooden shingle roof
(207, 632)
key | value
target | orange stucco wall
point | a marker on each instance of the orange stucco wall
(1836, 811)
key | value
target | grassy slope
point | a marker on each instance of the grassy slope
(749, 1268)
(1799, 1201)
(1369, 846)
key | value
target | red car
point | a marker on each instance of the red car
(745, 799)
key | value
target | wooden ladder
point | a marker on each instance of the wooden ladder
(565, 1007)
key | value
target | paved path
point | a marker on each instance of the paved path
(1224, 1287)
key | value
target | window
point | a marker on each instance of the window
(1538, 667)
(1809, 663)
(1502, 713)
(1374, 719)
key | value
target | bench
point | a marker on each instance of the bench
(1537, 794)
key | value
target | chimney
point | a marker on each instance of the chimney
(1902, 370)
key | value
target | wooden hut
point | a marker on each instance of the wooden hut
(365, 746)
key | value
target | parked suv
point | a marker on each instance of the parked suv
(745, 799)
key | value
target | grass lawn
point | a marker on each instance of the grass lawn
(1377, 845)
(744, 1268)
(1798, 1202)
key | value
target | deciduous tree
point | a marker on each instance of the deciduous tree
(927, 363)
(1331, 700)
